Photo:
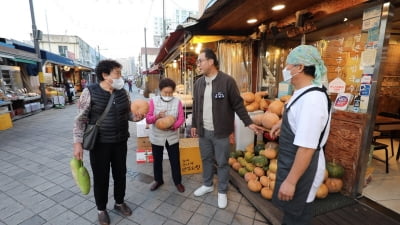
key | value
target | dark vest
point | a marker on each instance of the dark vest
(114, 127)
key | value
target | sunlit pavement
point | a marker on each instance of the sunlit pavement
(36, 186)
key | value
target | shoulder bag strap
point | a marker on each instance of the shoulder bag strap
(98, 122)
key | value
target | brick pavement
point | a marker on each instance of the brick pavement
(36, 186)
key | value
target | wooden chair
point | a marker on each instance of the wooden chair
(381, 146)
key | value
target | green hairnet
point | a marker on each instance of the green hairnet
(308, 55)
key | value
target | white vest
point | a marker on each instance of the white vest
(157, 136)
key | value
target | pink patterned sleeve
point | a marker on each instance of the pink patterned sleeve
(181, 117)
(83, 116)
(150, 117)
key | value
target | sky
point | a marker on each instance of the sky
(115, 27)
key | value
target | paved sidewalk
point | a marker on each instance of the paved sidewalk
(36, 186)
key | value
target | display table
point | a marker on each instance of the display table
(383, 123)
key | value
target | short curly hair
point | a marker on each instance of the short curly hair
(166, 82)
(106, 66)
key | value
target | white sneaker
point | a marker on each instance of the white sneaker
(222, 201)
(203, 190)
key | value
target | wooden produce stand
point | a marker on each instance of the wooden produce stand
(344, 146)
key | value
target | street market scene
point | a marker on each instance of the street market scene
(226, 112)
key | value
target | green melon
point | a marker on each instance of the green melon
(335, 170)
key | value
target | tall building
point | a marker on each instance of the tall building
(179, 17)
(128, 66)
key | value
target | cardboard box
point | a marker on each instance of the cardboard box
(142, 129)
(190, 158)
(144, 156)
(143, 143)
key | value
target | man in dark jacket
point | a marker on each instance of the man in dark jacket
(216, 100)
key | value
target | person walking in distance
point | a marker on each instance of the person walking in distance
(216, 100)
(160, 107)
(110, 149)
(303, 131)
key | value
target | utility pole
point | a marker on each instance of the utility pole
(163, 19)
(36, 36)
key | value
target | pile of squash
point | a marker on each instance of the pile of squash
(333, 181)
(273, 109)
(258, 166)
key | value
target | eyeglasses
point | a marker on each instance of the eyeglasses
(200, 61)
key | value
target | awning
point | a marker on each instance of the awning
(174, 40)
(57, 59)
(25, 61)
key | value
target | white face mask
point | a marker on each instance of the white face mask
(118, 84)
(286, 74)
(166, 98)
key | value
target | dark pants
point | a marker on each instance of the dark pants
(303, 219)
(103, 157)
(173, 154)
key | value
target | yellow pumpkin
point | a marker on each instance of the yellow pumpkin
(322, 191)
(254, 185)
(165, 122)
(139, 106)
(269, 119)
(334, 184)
(266, 193)
(276, 107)
(271, 175)
(273, 165)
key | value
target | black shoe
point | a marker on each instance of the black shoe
(124, 209)
(156, 185)
(103, 217)
(180, 187)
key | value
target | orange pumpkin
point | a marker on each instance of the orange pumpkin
(165, 122)
(334, 184)
(254, 185)
(266, 193)
(269, 119)
(263, 104)
(271, 175)
(285, 98)
(270, 153)
(252, 107)
(276, 107)
(236, 166)
(248, 97)
(259, 171)
(264, 180)
(257, 119)
(250, 176)
(139, 106)
(322, 191)
(231, 161)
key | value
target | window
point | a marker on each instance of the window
(63, 50)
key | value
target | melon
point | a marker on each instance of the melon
(84, 180)
(335, 170)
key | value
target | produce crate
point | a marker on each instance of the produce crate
(5, 121)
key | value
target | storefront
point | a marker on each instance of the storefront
(358, 42)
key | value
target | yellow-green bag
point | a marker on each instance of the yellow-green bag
(80, 175)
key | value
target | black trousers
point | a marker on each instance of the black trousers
(103, 157)
(303, 219)
(173, 154)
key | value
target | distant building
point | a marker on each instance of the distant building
(128, 66)
(72, 47)
(151, 56)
